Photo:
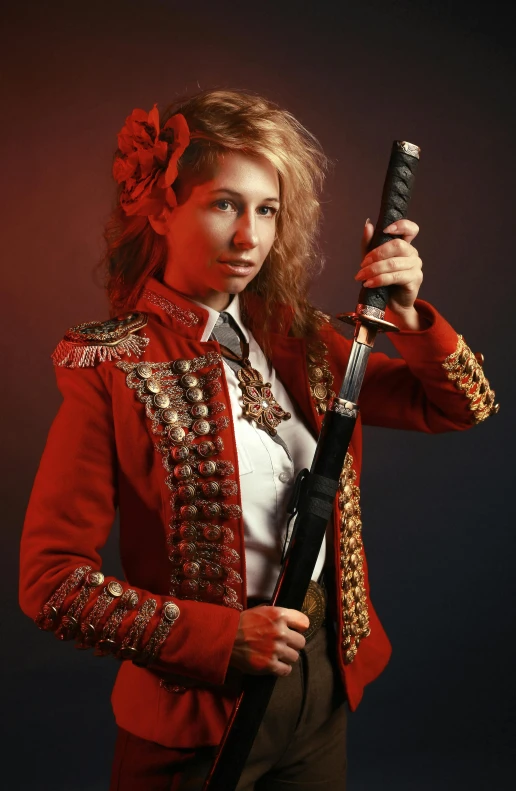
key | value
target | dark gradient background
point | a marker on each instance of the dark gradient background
(438, 511)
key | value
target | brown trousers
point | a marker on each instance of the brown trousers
(301, 745)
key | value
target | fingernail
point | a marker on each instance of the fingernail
(368, 220)
(390, 229)
(368, 283)
(359, 276)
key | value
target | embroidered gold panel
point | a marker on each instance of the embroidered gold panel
(465, 369)
(352, 581)
(351, 558)
(187, 421)
(319, 376)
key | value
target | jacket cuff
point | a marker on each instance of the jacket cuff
(433, 343)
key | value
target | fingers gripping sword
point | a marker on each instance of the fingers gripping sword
(317, 488)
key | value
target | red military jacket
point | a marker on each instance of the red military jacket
(145, 426)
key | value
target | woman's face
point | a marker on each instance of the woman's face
(220, 233)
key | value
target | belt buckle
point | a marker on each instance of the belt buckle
(314, 607)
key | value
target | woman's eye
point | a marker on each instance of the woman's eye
(267, 211)
(223, 204)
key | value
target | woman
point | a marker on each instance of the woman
(192, 412)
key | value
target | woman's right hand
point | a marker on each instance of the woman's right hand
(268, 640)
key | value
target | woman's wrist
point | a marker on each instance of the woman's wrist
(409, 319)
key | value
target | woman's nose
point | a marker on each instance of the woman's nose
(246, 236)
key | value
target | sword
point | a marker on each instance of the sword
(316, 489)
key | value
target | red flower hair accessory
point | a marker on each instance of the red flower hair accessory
(146, 163)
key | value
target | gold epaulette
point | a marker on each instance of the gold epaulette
(98, 341)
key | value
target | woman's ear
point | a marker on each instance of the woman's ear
(160, 223)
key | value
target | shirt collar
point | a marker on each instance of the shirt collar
(234, 311)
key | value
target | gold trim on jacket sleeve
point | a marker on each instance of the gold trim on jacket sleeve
(48, 617)
(465, 369)
(130, 645)
(169, 615)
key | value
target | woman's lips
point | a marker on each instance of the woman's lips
(238, 267)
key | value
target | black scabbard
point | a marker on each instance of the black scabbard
(317, 495)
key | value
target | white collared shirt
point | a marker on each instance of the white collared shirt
(267, 474)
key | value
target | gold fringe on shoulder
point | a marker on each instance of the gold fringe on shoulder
(75, 355)
(100, 341)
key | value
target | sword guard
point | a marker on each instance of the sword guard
(380, 324)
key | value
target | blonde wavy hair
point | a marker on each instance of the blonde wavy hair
(235, 121)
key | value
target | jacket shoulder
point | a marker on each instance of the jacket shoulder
(88, 344)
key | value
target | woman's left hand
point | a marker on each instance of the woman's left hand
(397, 264)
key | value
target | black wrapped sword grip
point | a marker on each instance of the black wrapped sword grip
(397, 191)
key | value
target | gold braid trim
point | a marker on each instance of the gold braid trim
(47, 618)
(70, 621)
(129, 648)
(169, 615)
(319, 376)
(112, 591)
(107, 643)
(465, 369)
(353, 593)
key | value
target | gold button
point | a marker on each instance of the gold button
(181, 366)
(189, 380)
(153, 386)
(188, 512)
(180, 453)
(189, 588)
(170, 416)
(95, 578)
(215, 590)
(201, 427)
(212, 532)
(186, 493)
(187, 531)
(103, 646)
(320, 391)
(144, 371)
(161, 400)
(211, 510)
(129, 652)
(171, 611)
(115, 589)
(207, 468)
(188, 549)
(213, 571)
(479, 357)
(191, 569)
(199, 410)
(316, 373)
(133, 601)
(210, 489)
(182, 471)
(194, 395)
(70, 623)
(205, 448)
(176, 433)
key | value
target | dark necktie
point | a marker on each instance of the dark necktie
(225, 332)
